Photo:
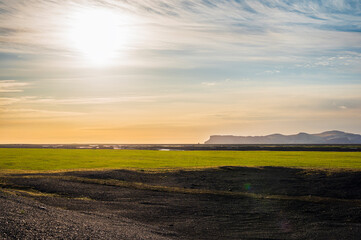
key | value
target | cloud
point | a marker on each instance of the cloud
(8, 101)
(77, 101)
(272, 71)
(248, 29)
(209, 84)
(30, 113)
(11, 86)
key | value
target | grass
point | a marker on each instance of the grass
(64, 159)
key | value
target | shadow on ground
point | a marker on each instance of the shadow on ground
(222, 203)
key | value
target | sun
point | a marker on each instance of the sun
(98, 34)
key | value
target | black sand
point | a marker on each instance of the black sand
(224, 203)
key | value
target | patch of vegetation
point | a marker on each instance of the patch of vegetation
(61, 159)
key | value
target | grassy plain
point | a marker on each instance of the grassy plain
(63, 159)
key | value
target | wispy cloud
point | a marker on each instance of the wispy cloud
(11, 86)
(29, 113)
(77, 101)
(250, 28)
(209, 84)
(8, 101)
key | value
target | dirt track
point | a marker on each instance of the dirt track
(224, 203)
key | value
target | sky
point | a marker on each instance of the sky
(156, 71)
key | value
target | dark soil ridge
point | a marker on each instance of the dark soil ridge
(143, 186)
(340, 184)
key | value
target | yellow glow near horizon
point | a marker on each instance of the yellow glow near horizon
(99, 34)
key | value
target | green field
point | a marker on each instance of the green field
(58, 159)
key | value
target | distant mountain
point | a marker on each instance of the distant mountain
(329, 137)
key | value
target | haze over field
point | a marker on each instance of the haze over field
(176, 71)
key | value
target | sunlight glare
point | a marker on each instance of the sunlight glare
(99, 34)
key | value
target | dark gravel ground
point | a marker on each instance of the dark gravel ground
(23, 218)
(79, 210)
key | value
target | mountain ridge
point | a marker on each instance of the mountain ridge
(327, 137)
